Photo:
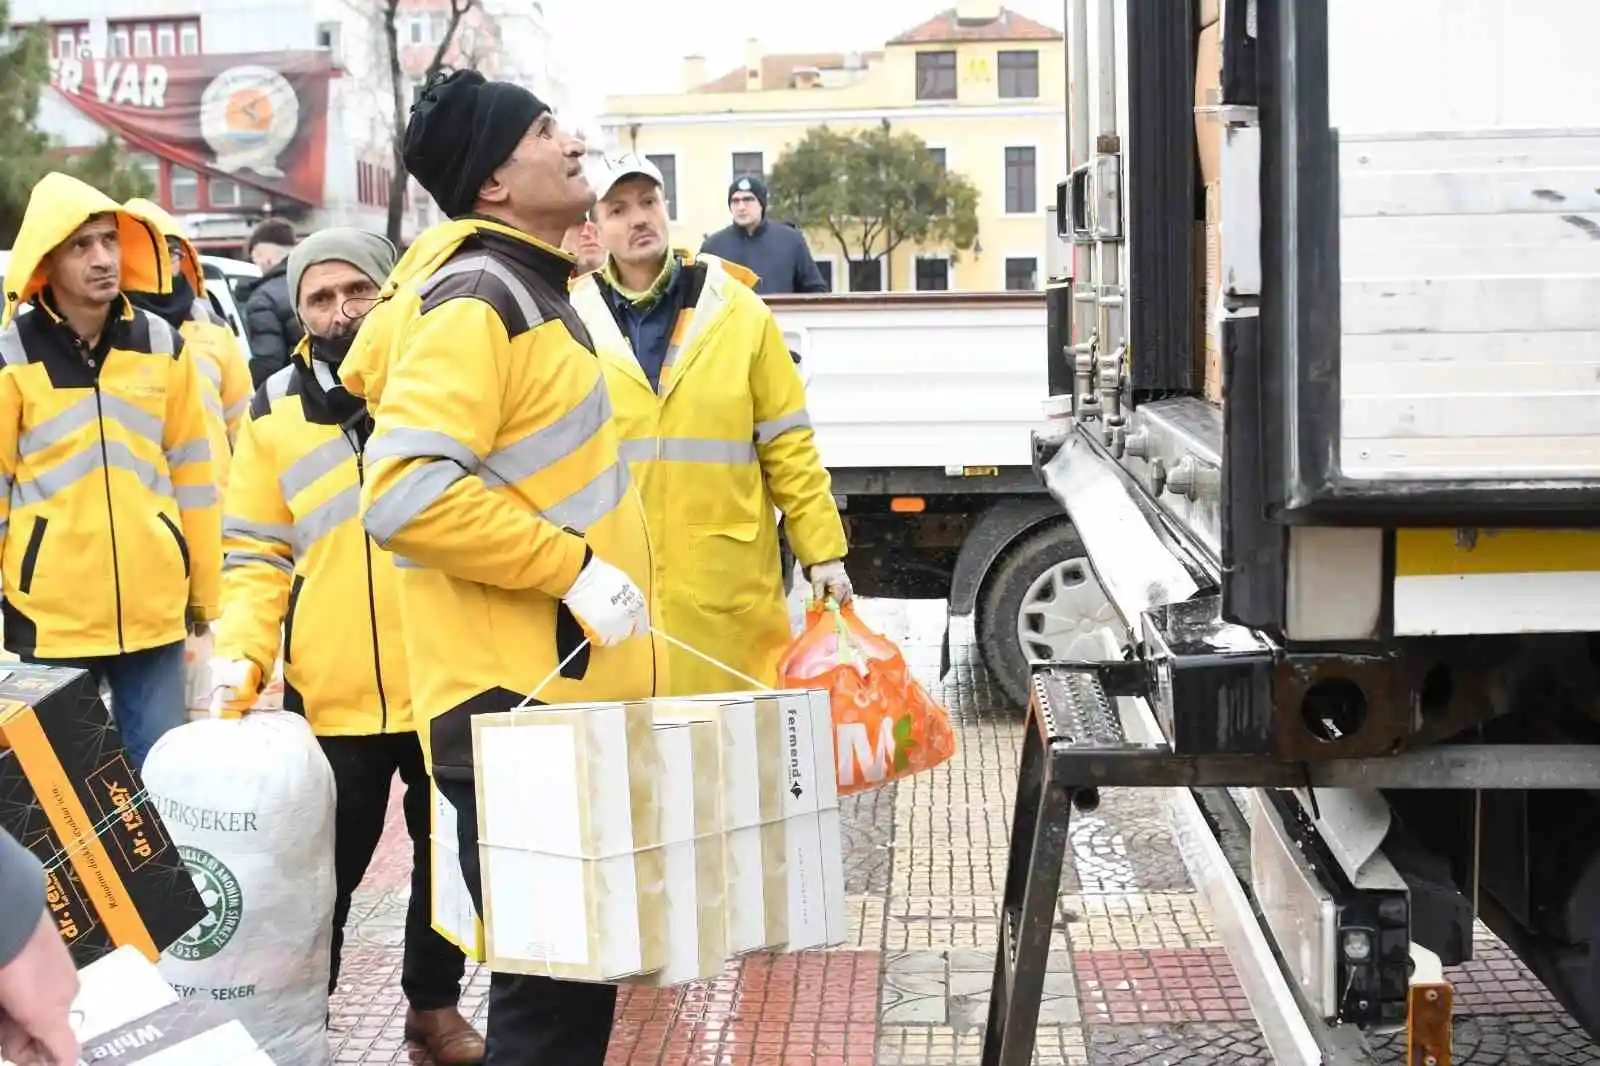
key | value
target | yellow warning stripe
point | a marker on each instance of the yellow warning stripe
(1436, 552)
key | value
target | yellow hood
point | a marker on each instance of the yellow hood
(58, 205)
(366, 366)
(167, 226)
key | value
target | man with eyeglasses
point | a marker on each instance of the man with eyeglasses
(776, 254)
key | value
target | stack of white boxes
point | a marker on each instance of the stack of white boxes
(649, 841)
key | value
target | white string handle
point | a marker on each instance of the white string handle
(527, 701)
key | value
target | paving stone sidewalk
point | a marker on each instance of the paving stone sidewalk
(1137, 976)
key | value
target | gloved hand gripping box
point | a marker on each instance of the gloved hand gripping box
(69, 792)
(569, 841)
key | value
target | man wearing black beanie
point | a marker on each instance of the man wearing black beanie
(777, 255)
(493, 473)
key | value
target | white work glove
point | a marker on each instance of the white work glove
(607, 604)
(829, 579)
(235, 684)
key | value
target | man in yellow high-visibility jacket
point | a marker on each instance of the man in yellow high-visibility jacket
(712, 415)
(112, 533)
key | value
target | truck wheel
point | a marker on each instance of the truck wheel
(1040, 601)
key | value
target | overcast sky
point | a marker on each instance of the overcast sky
(637, 46)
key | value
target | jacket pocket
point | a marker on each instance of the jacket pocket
(30, 556)
(177, 535)
(727, 574)
(295, 586)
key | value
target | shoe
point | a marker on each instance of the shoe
(449, 1038)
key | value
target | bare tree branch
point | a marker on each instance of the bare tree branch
(398, 178)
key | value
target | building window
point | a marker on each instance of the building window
(1022, 181)
(143, 42)
(418, 31)
(189, 39)
(1022, 273)
(1019, 75)
(933, 273)
(938, 157)
(866, 275)
(66, 44)
(936, 75)
(183, 189)
(825, 268)
(328, 37)
(668, 165)
(151, 166)
(437, 26)
(225, 192)
(119, 43)
(748, 164)
(166, 40)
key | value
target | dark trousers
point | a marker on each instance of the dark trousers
(363, 773)
(147, 697)
(533, 1021)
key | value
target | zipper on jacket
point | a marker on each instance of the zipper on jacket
(111, 517)
(372, 597)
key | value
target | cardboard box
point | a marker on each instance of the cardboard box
(693, 844)
(70, 794)
(1207, 100)
(569, 839)
(125, 1012)
(454, 916)
(785, 863)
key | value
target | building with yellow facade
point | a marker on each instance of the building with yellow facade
(982, 85)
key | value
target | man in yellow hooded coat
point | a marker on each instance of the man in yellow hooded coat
(712, 415)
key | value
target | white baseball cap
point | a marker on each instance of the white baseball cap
(613, 168)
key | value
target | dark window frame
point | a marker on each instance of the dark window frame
(1022, 179)
(936, 75)
(927, 261)
(1033, 273)
(667, 163)
(1017, 74)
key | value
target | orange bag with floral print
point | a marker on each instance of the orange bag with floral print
(885, 725)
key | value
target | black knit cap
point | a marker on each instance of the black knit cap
(752, 184)
(462, 128)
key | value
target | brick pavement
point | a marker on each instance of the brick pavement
(1137, 976)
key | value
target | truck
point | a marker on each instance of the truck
(1323, 379)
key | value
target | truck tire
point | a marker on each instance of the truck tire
(1046, 569)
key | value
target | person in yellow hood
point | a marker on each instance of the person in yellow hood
(112, 534)
(712, 414)
(298, 562)
(187, 309)
(493, 471)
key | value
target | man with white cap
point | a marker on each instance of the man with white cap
(711, 411)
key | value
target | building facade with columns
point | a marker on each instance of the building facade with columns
(984, 86)
(238, 109)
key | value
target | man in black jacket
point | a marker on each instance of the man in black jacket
(776, 253)
(270, 324)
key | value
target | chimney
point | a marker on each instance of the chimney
(977, 10)
(752, 64)
(694, 72)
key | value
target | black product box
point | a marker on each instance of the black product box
(69, 792)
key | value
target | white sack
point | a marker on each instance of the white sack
(250, 802)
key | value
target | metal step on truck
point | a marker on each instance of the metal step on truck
(1324, 380)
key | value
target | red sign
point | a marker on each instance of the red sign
(260, 119)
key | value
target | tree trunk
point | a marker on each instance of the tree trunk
(398, 176)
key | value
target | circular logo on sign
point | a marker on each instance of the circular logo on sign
(248, 115)
(219, 891)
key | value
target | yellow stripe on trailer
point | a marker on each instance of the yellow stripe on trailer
(1459, 582)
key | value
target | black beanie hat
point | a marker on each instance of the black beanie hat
(752, 184)
(461, 130)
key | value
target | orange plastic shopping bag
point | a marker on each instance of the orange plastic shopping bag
(885, 725)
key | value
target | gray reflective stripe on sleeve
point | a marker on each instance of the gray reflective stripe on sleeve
(236, 410)
(75, 468)
(343, 506)
(162, 340)
(320, 461)
(277, 385)
(519, 291)
(773, 428)
(193, 497)
(213, 404)
(210, 371)
(195, 451)
(405, 499)
(249, 529)
(11, 349)
(592, 502)
(686, 450)
(4, 523)
(405, 443)
(402, 563)
(548, 445)
(234, 560)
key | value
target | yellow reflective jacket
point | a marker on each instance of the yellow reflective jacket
(493, 470)
(296, 560)
(110, 519)
(726, 439)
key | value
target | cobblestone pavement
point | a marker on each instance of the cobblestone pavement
(1136, 978)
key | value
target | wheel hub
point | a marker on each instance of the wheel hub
(1063, 614)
